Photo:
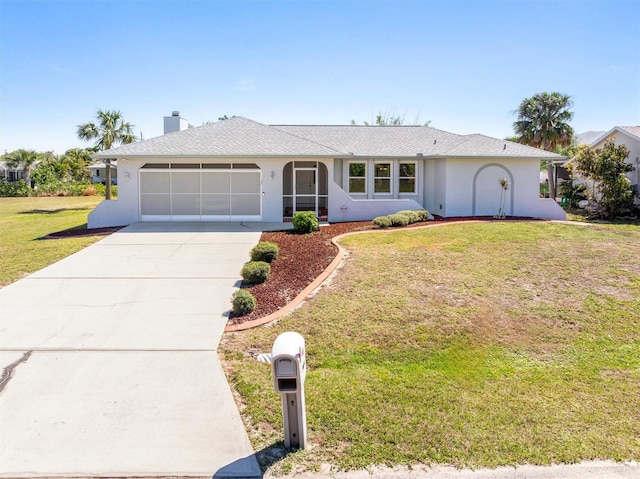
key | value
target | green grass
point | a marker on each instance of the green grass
(23, 221)
(474, 345)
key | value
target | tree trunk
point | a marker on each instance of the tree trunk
(107, 181)
(552, 180)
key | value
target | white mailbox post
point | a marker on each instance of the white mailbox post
(289, 366)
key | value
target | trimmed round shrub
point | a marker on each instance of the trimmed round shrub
(243, 302)
(398, 219)
(255, 272)
(382, 221)
(264, 251)
(305, 222)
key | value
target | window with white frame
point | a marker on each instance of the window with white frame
(407, 177)
(357, 177)
(382, 178)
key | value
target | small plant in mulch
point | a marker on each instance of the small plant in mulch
(255, 272)
(382, 221)
(305, 222)
(265, 251)
(243, 302)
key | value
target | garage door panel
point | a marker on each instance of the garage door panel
(245, 205)
(155, 204)
(216, 182)
(185, 205)
(245, 182)
(185, 182)
(155, 182)
(216, 205)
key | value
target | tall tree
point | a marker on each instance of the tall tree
(74, 162)
(111, 129)
(25, 159)
(543, 123)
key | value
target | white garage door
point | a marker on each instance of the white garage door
(200, 192)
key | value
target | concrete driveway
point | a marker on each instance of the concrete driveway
(109, 358)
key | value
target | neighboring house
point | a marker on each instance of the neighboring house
(630, 137)
(623, 135)
(98, 172)
(241, 170)
(10, 174)
(588, 137)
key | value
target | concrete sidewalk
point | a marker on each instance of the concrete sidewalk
(110, 358)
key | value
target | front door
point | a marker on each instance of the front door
(306, 190)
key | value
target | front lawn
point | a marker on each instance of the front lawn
(23, 221)
(469, 344)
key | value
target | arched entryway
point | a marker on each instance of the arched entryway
(305, 187)
(487, 190)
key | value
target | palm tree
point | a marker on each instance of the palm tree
(76, 161)
(543, 123)
(25, 159)
(111, 129)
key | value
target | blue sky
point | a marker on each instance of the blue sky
(464, 65)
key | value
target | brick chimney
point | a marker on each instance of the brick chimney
(174, 123)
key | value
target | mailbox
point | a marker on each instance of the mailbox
(288, 360)
(289, 367)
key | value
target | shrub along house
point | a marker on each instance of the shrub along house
(241, 170)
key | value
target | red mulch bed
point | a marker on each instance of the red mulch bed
(302, 258)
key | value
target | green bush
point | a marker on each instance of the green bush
(412, 215)
(14, 189)
(264, 251)
(255, 272)
(243, 302)
(423, 215)
(398, 219)
(382, 221)
(305, 222)
(401, 218)
(574, 193)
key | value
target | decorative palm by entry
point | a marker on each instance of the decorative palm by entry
(110, 129)
(504, 185)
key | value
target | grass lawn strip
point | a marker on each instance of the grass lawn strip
(24, 221)
(473, 345)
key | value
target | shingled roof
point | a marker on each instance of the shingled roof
(632, 131)
(241, 137)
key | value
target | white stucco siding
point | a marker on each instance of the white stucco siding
(440, 188)
(123, 210)
(472, 188)
(366, 206)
